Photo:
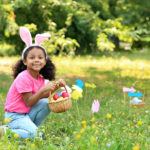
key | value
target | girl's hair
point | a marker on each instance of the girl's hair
(48, 71)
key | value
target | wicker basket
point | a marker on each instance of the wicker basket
(60, 106)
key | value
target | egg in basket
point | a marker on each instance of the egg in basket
(58, 104)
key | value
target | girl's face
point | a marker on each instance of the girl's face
(35, 59)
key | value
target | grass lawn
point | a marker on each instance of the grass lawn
(117, 126)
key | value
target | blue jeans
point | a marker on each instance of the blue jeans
(25, 125)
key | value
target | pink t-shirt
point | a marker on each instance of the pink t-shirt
(23, 83)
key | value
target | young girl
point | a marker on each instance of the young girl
(26, 102)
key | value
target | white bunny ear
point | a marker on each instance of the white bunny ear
(39, 38)
(26, 36)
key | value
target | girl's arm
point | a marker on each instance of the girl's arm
(31, 100)
(46, 94)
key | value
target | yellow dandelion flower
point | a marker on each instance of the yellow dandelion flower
(84, 126)
(32, 145)
(105, 139)
(93, 125)
(100, 125)
(109, 116)
(93, 86)
(122, 102)
(90, 85)
(78, 136)
(87, 84)
(16, 135)
(82, 130)
(94, 140)
(128, 124)
(83, 122)
(135, 148)
(93, 119)
(140, 122)
(139, 134)
(96, 131)
(8, 120)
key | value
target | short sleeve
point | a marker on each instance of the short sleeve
(46, 81)
(23, 84)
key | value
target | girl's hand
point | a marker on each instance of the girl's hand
(61, 82)
(50, 86)
(53, 86)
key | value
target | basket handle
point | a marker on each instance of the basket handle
(51, 93)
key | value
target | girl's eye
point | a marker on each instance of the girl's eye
(31, 57)
(40, 57)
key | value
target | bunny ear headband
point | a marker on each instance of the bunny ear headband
(27, 39)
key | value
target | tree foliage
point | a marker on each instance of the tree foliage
(76, 26)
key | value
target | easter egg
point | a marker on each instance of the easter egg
(65, 94)
(56, 96)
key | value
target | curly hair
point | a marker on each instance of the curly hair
(48, 71)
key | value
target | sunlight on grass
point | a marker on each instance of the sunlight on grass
(77, 66)
(117, 125)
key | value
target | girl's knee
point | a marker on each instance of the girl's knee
(44, 102)
(33, 133)
(23, 133)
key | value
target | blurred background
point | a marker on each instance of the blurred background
(105, 43)
(76, 26)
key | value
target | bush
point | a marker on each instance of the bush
(7, 50)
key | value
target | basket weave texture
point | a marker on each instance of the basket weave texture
(60, 106)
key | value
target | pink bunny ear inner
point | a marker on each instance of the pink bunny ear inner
(26, 36)
(39, 38)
